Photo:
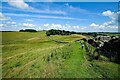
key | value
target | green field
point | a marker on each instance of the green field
(34, 55)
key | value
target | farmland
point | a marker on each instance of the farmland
(34, 55)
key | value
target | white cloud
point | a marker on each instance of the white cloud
(72, 8)
(29, 20)
(9, 24)
(49, 11)
(114, 27)
(111, 25)
(30, 0)
(45, 16)
(46, 25)
(28, 25)
(113, 18)
(19, 4)
(3, 17)
(54, 26)
(63, 27)
(118, 12)
(106, 26)
(39, 28)
(94, 25)
(13, 23)
(108, 13)
(14, 14)
(1, 25)
(56, 17)
(83, 28)
(24, 6)
(76, 27)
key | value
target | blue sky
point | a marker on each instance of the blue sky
(73, 16)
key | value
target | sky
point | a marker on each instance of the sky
(72, 16)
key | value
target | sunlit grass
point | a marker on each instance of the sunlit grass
(33, 55)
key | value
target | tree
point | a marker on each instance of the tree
(47, 33)
(90, 41)
(21, 30)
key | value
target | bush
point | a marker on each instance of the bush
(90, 41)
(84, 39)
(96, 56)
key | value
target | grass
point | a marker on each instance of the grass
(33, 55)
(66, 38)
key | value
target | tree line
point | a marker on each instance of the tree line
(63, 32)
(27, 30)
(58, 32)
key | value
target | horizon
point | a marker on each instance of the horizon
(69, 16)
(61, 30)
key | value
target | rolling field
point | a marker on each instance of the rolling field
(33, 55)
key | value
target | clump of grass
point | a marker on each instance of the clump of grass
(103, 58)
(18, 64)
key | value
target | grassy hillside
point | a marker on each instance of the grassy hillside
(33, 55)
